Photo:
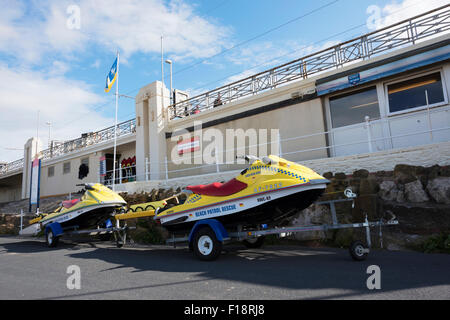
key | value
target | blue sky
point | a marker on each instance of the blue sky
(51, 67)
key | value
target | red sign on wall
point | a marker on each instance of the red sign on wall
(188, 145)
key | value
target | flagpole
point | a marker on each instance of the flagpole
(115, 124)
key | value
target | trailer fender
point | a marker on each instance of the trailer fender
(56, 229)
(216, 226)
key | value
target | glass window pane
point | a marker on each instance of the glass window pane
(66, 167)
(51, 171)
(353, 107)
(411, 93)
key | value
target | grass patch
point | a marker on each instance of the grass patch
(437, 244)
(147, 232)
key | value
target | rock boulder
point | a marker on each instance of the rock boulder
(439, 189)
(414, 192)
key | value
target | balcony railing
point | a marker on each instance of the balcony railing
(11, 167)
(407, 32)
(87, 139)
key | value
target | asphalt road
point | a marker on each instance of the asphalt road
(30, 270)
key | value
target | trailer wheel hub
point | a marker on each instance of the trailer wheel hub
(205, 245)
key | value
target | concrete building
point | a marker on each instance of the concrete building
(371, 102)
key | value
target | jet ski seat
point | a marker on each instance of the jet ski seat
(70, 203)
(218, 189)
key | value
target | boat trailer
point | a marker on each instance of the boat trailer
(54, 231)
(203, 247)
(207, 236)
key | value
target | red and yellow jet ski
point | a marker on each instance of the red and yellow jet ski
(268, 191)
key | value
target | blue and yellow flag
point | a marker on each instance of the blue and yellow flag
(112, 76)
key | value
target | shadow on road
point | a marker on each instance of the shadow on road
(34, 246)
(287, 267)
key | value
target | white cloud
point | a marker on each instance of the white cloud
(128, 25)
(40, 48)
(397, 11)
(59, 100)
(58, 68)
(96, 64)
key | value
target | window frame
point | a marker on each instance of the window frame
(48, 171)
(86, 163)
(347, 92)
(411, 77)
(64, 168)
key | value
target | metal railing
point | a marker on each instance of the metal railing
(367, 141)
(407, 32)
(123, 129)
(11, 167)
(89, 139)
(124, 174)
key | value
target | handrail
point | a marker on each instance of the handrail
(403, 33)
(92, 138)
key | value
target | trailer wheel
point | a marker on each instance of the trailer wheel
(254, 243)
(51, 240)
(120, 240)
(358, 251)
(206, 246)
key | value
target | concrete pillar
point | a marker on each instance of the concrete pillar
(151, 120)
(31, 148)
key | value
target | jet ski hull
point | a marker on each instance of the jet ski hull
(89, 218)
(264, 208)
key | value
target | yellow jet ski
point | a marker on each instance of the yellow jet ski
(97, 205)
(268, 191)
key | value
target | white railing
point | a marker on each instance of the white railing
(366, 142)
(407, 32)
(123, 175)
(123, 129)
(11, 167)
(88, 139)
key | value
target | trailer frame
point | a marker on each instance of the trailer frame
(56, 231)
(358, 250)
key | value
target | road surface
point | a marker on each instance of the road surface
(30, 270)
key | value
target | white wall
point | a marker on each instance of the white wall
(426, 156)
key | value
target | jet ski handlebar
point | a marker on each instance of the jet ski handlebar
(87, 186)
(251, 159)
(248, 158)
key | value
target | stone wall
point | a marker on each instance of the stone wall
(419, 197)
(10, 223)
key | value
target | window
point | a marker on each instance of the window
(353, 107)
(66, 167)
(412, 93)
(83, 170)
(51, 171)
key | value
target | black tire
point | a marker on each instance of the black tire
(51, 240)
(254, 243)
(358, 251)
(149, 207)
(119, 242)
(206, 246)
